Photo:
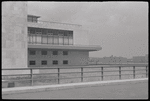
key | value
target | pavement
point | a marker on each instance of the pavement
(33, 91)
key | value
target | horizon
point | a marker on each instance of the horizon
(117, 56)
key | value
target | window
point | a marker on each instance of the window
(44, 31)
(55, 62)
(32, 31)
(44, 62)
(30, 38)
(44, 52)
(65, 62)
(50, 39)
(50, 36)
(66, 40)
(38, 31)
(55, 52)
(33, 38)
(32, 52)
(44, 39)
(29, 19)
(61, 40)
(32, 62)
(28, 30)
(55, 39)
(70, 40)
(34, 19)
(65, 52)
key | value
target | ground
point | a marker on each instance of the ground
(136, 90)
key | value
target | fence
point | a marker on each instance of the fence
(56, 23)
(81, 72)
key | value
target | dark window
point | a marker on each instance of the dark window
(29, 19)
(55, 52)
(65, 62)
(34, 19)
(44, 62)
(55, 62)
(32, 62)
(65, 34)
(32, 52)
(65, 52)
(55, 34)
(44, 52)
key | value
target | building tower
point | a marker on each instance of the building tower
(14, 35)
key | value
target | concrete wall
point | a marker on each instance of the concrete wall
(14, 35)
(80, 35)
(73, 57)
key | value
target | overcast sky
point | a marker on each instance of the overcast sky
(120, 28)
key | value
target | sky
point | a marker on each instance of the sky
(120, 28)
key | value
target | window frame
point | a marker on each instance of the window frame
(54, 62)
(44, 63)
(54, 52)
(65, 61)
(43, 52)
(64, 53)
(31, 51)
(31, 64)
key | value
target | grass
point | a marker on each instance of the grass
(75, 80)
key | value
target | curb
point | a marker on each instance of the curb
(67, 86)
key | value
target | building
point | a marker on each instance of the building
(140, 59)
(106, 60)
(29, 42)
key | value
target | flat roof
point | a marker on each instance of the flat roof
(34, 16)
(66, 47)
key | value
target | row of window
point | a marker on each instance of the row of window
(52, 32)
(56, 40)
(44, 62)
(32, 19)
(44, 52)
(50, 36)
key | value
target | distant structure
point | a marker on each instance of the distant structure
(114, 59)
(111, 59)
(138, 59)
(29, 42)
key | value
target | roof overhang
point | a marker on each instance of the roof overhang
(33, 16)
(66, 47)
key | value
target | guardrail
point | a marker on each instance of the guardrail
(82, 72)
(56, 23)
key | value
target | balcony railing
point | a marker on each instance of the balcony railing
(105, 71)
(47, 39)
(55, 23)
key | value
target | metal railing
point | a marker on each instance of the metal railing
(81, 72)
(56, 23)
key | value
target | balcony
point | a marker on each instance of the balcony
(55, 35)
(50, 42)
(50, 39)
(47, 24)
(66, 47)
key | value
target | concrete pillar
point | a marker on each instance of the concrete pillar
(14, 36)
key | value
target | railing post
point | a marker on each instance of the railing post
(146, 71)
(102, 73)
(31, 73)
(120, 72)
(58, 75)
(81, 74)
(134, 72)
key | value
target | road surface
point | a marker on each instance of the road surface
(137, 90)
